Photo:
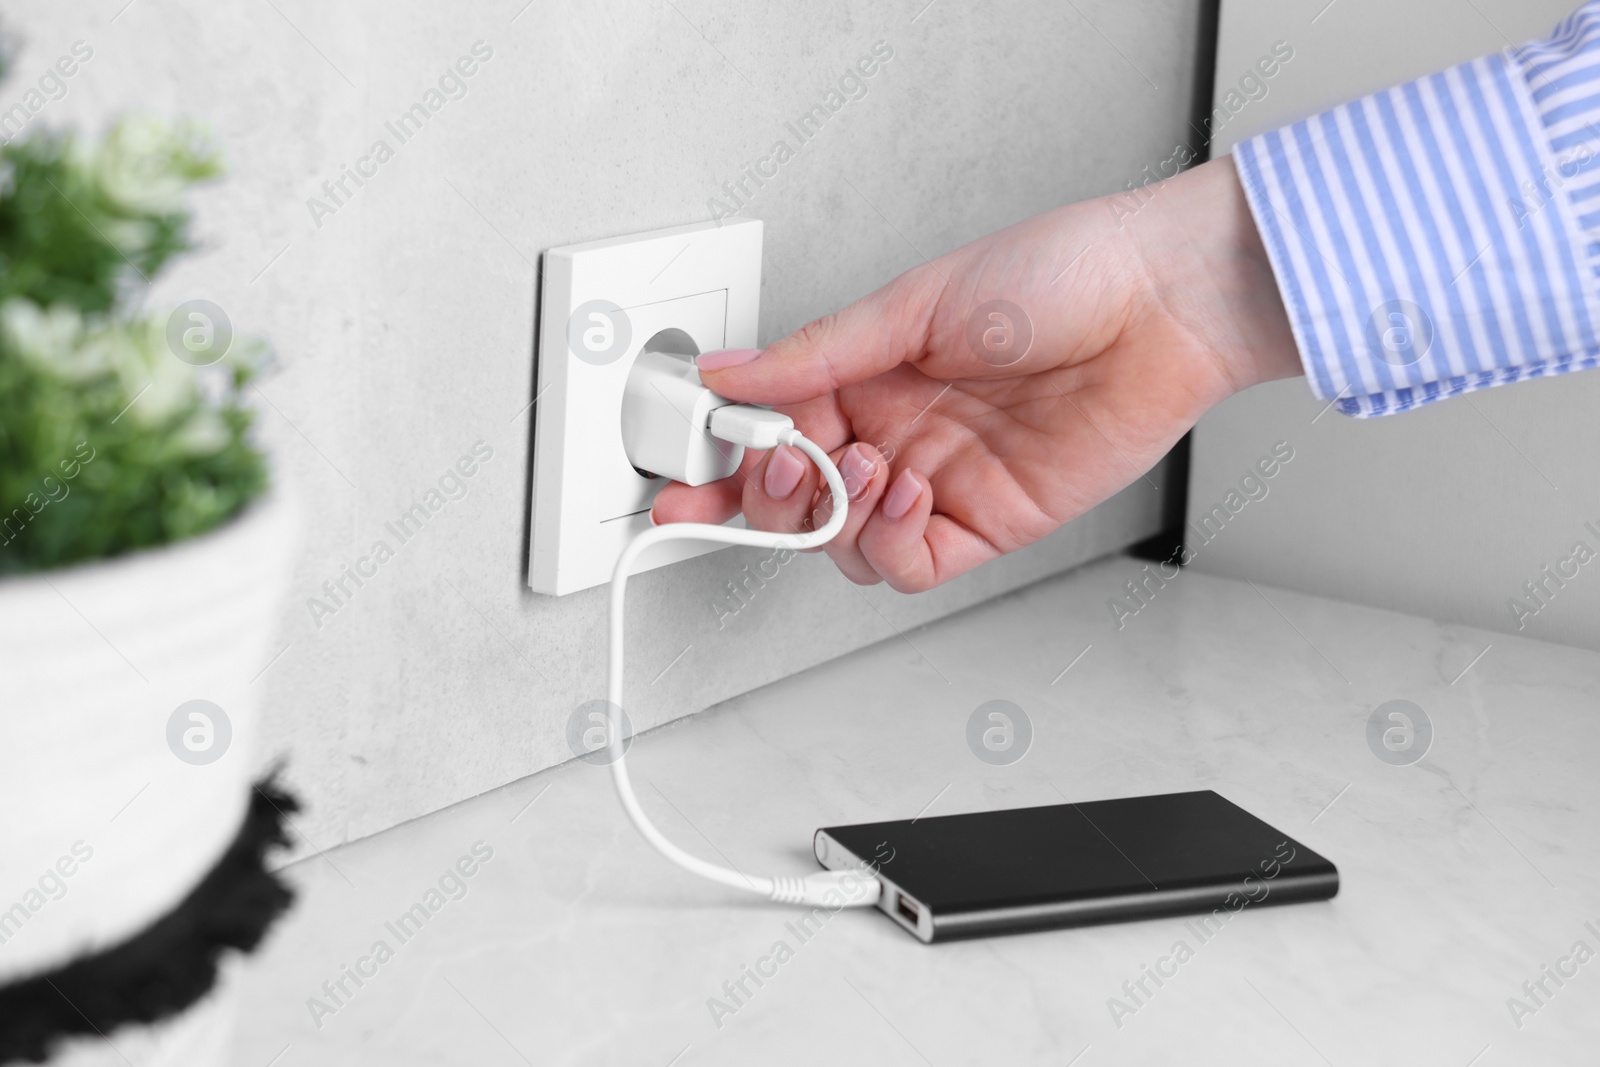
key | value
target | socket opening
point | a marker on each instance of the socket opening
(672, 340)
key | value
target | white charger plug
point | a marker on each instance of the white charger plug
(666, 416)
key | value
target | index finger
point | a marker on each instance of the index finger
(876, 333)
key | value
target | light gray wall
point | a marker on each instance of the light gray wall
(404, 322)
(1445, 511)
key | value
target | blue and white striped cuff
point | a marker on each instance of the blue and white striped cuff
(1444, 235)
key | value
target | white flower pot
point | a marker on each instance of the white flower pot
(104, 824)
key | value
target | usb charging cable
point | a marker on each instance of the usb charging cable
(750, 427)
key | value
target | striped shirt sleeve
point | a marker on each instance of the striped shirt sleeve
(1444, 235)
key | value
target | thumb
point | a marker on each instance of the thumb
(875, 334)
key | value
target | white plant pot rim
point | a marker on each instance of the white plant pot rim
(272, 505)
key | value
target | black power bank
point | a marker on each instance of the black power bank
(997, 872)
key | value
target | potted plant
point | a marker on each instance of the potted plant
(142, 562)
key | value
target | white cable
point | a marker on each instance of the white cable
(757, 428)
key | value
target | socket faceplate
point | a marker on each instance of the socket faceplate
(601, 302)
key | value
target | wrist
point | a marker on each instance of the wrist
(1208, 265)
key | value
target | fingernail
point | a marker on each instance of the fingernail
(857, 468)
(653, 520)
(902, 494)
(726, 357)
(784, 469)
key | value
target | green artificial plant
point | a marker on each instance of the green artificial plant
(114, 433)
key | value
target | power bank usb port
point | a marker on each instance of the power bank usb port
(907, 910)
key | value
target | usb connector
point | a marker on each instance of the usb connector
(750, 426)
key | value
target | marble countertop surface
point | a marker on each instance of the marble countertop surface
(1465, 874)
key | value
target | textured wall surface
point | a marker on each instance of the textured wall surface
(1446, 511)
(403, 311)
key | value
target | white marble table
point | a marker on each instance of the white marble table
(1464, 875)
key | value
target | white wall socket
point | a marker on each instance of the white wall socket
(601, 303)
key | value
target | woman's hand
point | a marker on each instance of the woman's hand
(957, 444)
